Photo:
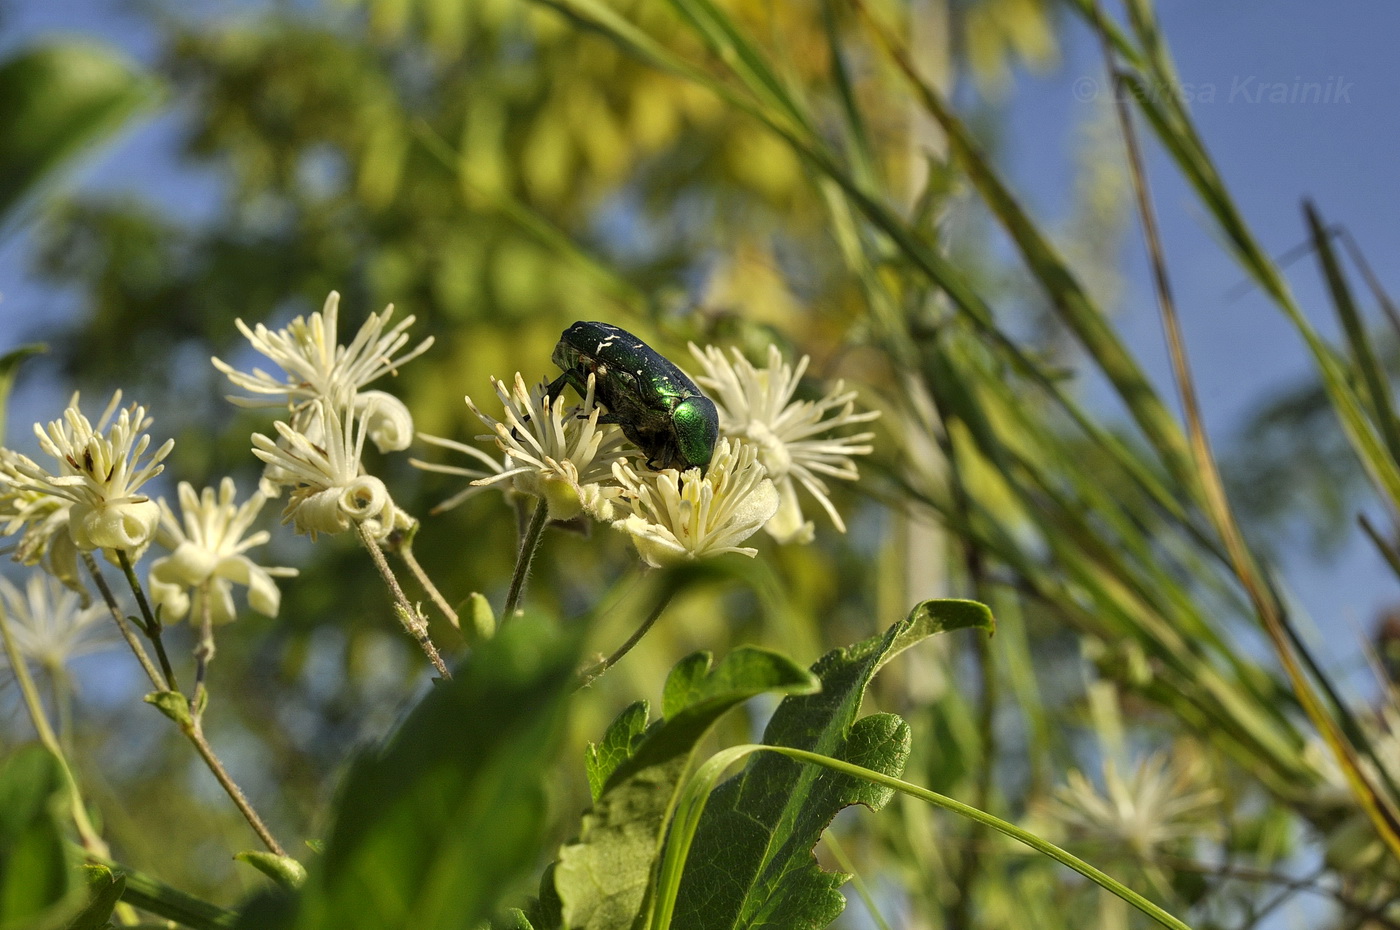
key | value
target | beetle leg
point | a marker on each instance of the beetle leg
(556, 387)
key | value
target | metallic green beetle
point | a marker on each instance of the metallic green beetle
(659, 409)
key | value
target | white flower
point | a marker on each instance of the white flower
(206, 556)
(682, 516)
(1164, 801)
(44, 519)
(50, 624)
(317, 366)
(792, 436)
(331, 493)
(559, 453)
(99, 472)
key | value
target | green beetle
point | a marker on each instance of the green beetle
(659, 409)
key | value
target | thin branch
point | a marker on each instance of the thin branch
(594, 672)
(405, 552)
(111, 601)
(195, 732)
(203, 651)
(529, 545)
(407, 613)
(152, 627)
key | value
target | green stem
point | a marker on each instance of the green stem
(152, 624)
(697, 791)
(111, 601)
(594, 672)
(408, 615)
(195, 732)
(529, 544)
(405, 551)
(203, 652)
(92, 841)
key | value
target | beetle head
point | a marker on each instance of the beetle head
(697, 430)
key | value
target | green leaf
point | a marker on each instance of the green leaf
(1364, 357)
(36, 877)
(942, 615)
(619, 743)
(284, 870)
(105, 889)
(751, 863)
(9, 367)
(432, 831)
(602, 879)
(55, 101)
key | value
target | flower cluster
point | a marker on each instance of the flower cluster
(98, 472)
(580, 464)
(576, 459)
(90, 496)
(330, 414)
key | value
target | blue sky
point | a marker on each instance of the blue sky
(1338, 151)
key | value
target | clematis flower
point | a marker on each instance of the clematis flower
(793, 437)
(330, 491)
(52, 625)
(207, 558)
(43, 519)
(1165, 800)
(558, 453)
(99, 473)
(318, 367)
(678, 516)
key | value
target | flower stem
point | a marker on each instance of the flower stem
(408, 614)
(152, 625)
(140, 652)
(203, 652)
(405, 551)
(529, 544)
(195, 732)
(92, 841)
(594, 672)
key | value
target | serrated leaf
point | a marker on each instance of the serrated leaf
(751, 862)
(618, 744)
(284, 870)
(105, 889)
(433, 830)
(602, 879)
(56, 100)
(36, 886)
